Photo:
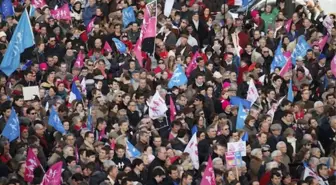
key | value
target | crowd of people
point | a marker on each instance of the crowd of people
(116, 90)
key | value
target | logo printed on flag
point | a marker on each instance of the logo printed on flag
(192, 65)
(62, 13)
(107, 47)
(157, 106)
(242, 114)
(192, 149)
(252, 93)
(53, 175)
(55, 121)
(279, 59)
(22, 38)
(12, 127)
(128, 16)
(121, 47)
(32, 162)
(235, 100)
(38, 3)
(209, 174)
(74, 94)
(301, 49)
(7, 8)
(179, 78)
(89, 27)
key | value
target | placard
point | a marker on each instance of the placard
(29, 93)
(237, 147)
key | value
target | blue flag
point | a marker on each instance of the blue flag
(89, 119)
(179, 78)
(31, 11)
(22, 38)
(7, 8)
(245, 137)
(132, 151)
(128, 16)
(74, 94)
(305, 164)
(12, 127)
(55, 121)
(235, 100)
(328, 163)
(245, 3)
(301, 49)
(241, 117)
(121, 47)
(325, 82)
(290, 95)
(279, 59)
(26, 65)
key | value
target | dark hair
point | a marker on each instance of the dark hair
(137, 162)
(69, 159)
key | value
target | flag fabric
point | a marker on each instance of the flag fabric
(53, 175)
(46, 106)
(79, 60)
(209, 174)
(83, 85)
(107, 47)
(245, 3)
(325, 82)
(32, 162)
(132, 151)
(7, 8)
(172, 109)
(305, 164)
(76, 154)
(38, 3)
(102, 134)
(150, 28)
(272, 110)
(262, 79)
(333, 66)
(193, 64)
(74, 94)
(235, 100)
(90, 26)
(121, 47)
(26, 65)
(252, 92)
(12, 127)
(89, 119)
(328, 163)
(235, 2)
(309, 172)
(22, 38)
(157, 106)
(279, 59)
(301, 49)
(137, 52)
(61, 13)
(290, 95)
(128, 16)
(242, 114)
(288, 25)
(192, 149)
(55, 121)
(31, 11)
(287, 67)
(245, 137)
(168, 8)
(179, 78)
(323, 42)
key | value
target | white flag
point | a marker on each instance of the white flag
(309, 172)
(192, 149)
(262, 79)
(252, 93)
(271, 112)
(83, 85)
(168, 7)
(157, 106)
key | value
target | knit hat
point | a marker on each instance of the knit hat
(322, 56)
(43, 66)
(225, 103)
(254, 13)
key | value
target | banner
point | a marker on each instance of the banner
(239, 146)
(233, 159)
(62, 13)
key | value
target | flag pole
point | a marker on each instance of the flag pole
(42, 168)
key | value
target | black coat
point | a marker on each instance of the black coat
(327, 137)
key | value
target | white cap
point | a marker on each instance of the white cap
(217, 75)
(2, 34)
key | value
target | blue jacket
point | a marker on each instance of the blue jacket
(89, 13)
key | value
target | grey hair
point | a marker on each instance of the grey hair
(271, 165)
(332, 118)
(217, 159)
(313, 160)
(315, 149)
(255, 151)
(279, 144)
(108, 163)
(276, 153)
(276, 126)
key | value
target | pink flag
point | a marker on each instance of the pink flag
(137, 51)
(62, 12)
(101, 134)
(89, 27)
(53, 175)
(192, 65)
(112, 144)
(32, 162)
(80, 60)
(209, 175)
(323, 42)
(150, 28)
(288, 24)
(76, 154)
(107, 47)
(172, 109)
(333, 66)
(287, 54)
(38, 3)
(286, 67)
